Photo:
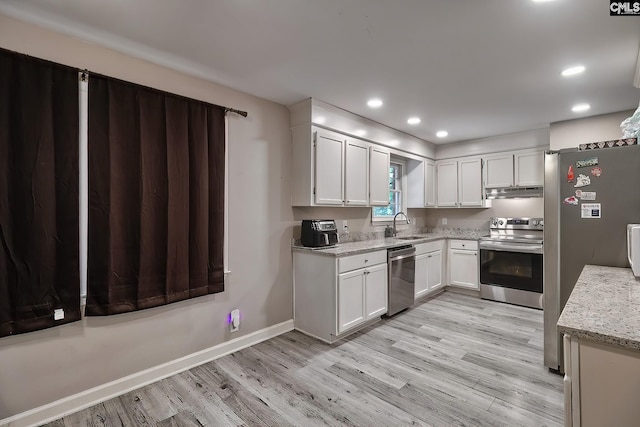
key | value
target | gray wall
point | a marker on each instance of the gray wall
(571, 133)
(40, 367)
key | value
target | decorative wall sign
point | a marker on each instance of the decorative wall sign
(608, 144)
(597, 171)
(582, 181)
(590, 210)
(591, 161)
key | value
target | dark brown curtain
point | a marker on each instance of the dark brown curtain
(156, 203)
(39, 222)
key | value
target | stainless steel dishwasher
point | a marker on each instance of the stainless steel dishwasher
(402, 278)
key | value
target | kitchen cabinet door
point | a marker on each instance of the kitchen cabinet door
(470, 183)
(529, 168)
(379, 176)
(351, 303)
(434, 271)
(376, 291)
(429, 184)
(422, 275)
(498, 171)
(357, 173)
(329, 166)
(447, 194)
(463, 268)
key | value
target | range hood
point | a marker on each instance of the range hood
(514, 192)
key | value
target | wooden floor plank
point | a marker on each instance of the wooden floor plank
(454, 360)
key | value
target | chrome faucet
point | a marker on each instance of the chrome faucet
(392, 232)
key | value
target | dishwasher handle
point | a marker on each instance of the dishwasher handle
(395, 254)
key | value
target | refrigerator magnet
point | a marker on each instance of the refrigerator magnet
(591, 161)
(573, 200)
(590, 210)
(582, 181)
(570, 175)
(586, 195)
(597, 171)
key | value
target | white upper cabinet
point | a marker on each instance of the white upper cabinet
(421, 183)
(518, 168)
(379, 176)
(498, 171)
(529, 168)
(332, 169)
(459, 183)
(357, 173)
(429, 184)
(329, 166)
(470, 183)
(447, 194)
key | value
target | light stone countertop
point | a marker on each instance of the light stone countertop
(604, 306)
(353, 248)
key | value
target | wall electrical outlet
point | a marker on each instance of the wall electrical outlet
(234, 320)
(345, 227)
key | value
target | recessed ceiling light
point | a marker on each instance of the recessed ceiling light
(578, 108)
(442, 133)
(573, 71)
(320, 120)
(414, 120)
(374, 103)
(360, 132)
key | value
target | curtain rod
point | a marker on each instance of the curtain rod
(233, 110)
(84, 75)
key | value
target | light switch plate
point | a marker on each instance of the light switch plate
(58, 314)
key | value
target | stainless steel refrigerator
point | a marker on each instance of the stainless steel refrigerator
(588, 227)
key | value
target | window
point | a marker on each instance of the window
(397, 182)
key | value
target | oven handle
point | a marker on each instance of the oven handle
(511, 247)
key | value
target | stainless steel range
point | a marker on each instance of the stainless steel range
(511, 261)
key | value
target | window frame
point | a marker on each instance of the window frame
(403, 194)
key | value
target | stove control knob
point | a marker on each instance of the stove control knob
(501, 222)
(541, 223)
(535, 222)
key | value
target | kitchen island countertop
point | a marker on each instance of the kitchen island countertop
(604, 306)
(353, 248)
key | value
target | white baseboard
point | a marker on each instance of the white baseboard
(87, 398)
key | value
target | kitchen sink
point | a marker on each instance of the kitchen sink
(409, 238)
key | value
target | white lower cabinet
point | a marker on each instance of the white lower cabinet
(428, 268)
(601, 384)
(463, 264)
(333, 296)
(362, 295)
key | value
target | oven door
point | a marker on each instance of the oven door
(511, 265)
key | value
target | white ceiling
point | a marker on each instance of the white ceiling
(474, 68)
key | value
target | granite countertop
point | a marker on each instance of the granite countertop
(604, 306)
(353, 248)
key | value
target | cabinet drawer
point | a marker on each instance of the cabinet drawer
(360, 261)
(423, 248)
(470, 245)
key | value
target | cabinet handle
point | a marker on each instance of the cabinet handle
(366, 260)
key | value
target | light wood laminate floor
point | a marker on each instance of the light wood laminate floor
(454, 360)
